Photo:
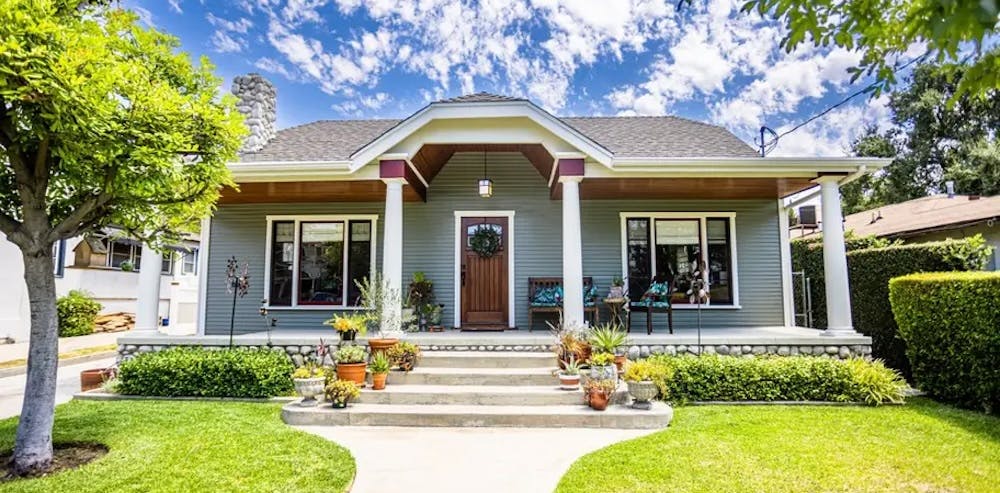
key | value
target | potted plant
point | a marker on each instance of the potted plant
(351, 364)
(383, 311)
(340, 392)
(434, 318)
(569, 376)
(599, 393)
(571, 342)
(610, 339)
(602, 367)
(404, 355)
(309, 381)
(348, 326)
(126, 266)
(380, 370)
(641, 377)
(420, 296)
(617, 289)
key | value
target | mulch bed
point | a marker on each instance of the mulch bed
(65, 456)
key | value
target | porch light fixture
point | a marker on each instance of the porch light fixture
(485, 184)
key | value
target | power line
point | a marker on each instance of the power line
(768, 146)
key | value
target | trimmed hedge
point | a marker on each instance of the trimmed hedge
(196, 372)
(871, 263)
(77, 312)
(793, 378)
(951, 324)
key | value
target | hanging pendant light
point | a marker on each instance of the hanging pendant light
(485, 184)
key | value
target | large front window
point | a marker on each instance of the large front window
(315, 260)
(673, 247)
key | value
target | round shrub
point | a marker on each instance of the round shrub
(77, 311)
(951, 324)
(196, 372)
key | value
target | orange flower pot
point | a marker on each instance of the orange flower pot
(378, 380)
(381, 345)
(92, 379)
(599, 400)
(354, 372)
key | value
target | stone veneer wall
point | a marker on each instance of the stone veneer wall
(299, 354)
(258, 104)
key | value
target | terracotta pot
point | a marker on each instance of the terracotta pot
(569, 382)
(378, 380)
(620, 360)
(92, 379)
(599, 400)
(380, 345)
(354, 372)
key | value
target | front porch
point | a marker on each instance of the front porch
(774, 340)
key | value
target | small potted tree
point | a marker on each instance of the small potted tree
(641, 377)
(404, 355)
(599, 393)
(617, 289)
(569, 376)
(340, 392)
(383, 309)
(380, 370)
(309, 381)
(351, 364)
(602, 367)
(610, 339)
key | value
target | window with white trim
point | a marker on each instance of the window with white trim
(314, 261)
(189, 262)
(668, 247)
(128, 252)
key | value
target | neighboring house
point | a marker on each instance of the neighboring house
(94, 263)
(325, 204)
(932, 218)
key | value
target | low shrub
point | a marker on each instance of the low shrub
(77, 311)
(796, 378)
(951, 324)
(196, 372)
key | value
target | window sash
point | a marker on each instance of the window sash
(703, 242)
(296, 222)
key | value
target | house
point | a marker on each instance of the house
(107, 265)
(932, 218)
(327, 203)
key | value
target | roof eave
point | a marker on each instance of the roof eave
(259, 171)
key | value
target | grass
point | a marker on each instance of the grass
(921, 447)
(76, 353)
(161, 446)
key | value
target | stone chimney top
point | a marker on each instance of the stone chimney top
(257, 102)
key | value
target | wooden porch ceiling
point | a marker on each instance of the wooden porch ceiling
(431, 158)
(311, 191)
(688, 188)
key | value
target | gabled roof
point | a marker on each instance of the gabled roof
(644, 137)
(926, 214)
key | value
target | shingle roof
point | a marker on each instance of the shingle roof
(937, 212)
(657, 136)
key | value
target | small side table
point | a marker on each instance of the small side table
(616, 308)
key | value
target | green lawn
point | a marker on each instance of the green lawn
(920, 447)
(170, 446)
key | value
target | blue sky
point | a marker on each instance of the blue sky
(342, 59)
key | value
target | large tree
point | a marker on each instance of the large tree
(886, 31)
(936, 136)
(102, 122)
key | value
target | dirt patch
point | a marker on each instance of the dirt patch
(65, 456)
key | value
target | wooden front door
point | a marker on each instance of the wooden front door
(484, 280)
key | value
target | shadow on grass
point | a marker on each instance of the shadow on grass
(975, 422)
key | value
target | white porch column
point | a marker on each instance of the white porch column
(838, 295)
(392, 251)
(572, 251)
(147, 310)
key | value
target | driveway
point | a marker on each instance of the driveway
(483, 460)
(68, 383)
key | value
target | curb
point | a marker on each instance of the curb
(20, 370)
(97, 395)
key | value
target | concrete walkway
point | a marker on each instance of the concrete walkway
(68, 383)
(20, 350)
(481, 460)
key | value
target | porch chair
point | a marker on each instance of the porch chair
(545, 295)
(655, 299)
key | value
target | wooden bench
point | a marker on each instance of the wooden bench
(535, 284)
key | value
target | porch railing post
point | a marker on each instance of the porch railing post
(838, 295)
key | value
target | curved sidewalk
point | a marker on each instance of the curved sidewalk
(484, 460)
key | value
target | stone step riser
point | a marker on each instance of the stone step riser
(473, 398)
(594, 419)
(432, 360)
(399, 378)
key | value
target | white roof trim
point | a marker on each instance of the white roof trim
(773, 165)
(291, 171)
(501, 109)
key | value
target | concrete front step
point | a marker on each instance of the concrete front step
(423, 375)
(556, 416)
(483, 395)
(486, 359)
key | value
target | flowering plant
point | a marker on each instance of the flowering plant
(346, 323)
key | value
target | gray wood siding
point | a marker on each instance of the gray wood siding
(429, 238)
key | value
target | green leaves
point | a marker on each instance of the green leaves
(197, 372)
(77, 311)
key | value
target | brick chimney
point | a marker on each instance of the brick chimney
(257, 102)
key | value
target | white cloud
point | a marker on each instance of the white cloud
(175, 5)
(241, 25)
(223, 43)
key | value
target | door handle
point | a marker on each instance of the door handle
(463, 275)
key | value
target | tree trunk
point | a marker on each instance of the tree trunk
(33, 446)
